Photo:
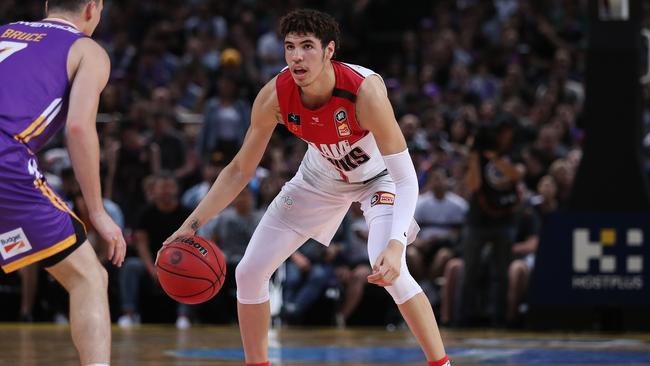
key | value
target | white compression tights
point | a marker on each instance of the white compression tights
(273, 242)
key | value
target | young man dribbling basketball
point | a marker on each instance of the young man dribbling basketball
(356, 153)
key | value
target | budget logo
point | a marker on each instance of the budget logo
(607, 263)
(13, 243)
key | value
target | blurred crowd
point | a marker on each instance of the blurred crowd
(487, 93)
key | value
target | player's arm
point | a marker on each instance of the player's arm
(89, 68)
(473, 176)
(376, 114)
(234, 177)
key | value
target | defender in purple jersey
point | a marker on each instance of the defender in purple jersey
(52, 75)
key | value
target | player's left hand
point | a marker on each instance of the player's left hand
(386, 269)
(112, 234)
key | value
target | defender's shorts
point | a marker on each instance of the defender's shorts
(35, 223)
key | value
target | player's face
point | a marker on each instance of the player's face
(306, 57)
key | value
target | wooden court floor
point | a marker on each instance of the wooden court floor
(39, 345)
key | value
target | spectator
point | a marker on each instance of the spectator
(193, 195)
(156, 223)
(440, 214)
(226, 120)
(128, 164)
(169, 144)
(492, 177)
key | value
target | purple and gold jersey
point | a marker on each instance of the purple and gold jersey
(35, 87)
(35, 223)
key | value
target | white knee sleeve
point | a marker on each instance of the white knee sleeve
(271, 244)
(405, 287)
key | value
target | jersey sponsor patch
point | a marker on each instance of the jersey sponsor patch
(342, 125)
(382, 198)
(294, 123)
(293, 118)
(14, 242)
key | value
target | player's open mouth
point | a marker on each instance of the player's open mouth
(299, 71)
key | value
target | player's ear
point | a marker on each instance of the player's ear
(89, 9)
(46, 6)
(329, 50)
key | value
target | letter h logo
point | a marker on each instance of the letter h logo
(584, 251)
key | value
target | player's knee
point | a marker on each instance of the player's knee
(404, 288)
(245, 273)
(361, 273)
(252, 284)
(516, 270)
(100, 276)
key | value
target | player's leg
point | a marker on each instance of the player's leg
(41, 228)
(86, 280)
(439, 262)
(131, 274)
(502, 255)
(271, 244)
(411, 301)
(450, 291)
(518, 275)
(473, 242)
(354, 290)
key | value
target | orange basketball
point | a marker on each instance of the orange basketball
(191, 269)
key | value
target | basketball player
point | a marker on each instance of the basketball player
(53, 73)
(356, 153)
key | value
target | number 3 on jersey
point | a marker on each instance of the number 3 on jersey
(9, 48)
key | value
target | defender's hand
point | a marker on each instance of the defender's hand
(387, 266)
(112, 234)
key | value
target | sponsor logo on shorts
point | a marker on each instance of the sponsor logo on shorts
(287, 202)
(13, 243)
(382, 198)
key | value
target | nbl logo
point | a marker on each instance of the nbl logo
(618, 265)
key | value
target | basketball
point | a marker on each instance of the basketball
(191, 269)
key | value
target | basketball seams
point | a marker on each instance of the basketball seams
(186, 276)
(201, 259)
(171, 275)
(195, 278)
(213, 246)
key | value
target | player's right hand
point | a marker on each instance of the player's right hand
(112, 234)
(182, 231)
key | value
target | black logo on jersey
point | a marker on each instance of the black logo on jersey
(352, 160)
(341, 115)
(293, 118)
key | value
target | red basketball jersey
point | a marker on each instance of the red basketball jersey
(338, 147)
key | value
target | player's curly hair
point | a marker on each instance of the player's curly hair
(304, 21)
(67, 5)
